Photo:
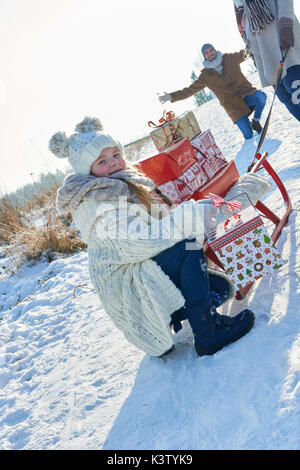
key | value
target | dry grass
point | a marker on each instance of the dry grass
(41, 200)
(49, 239)
(34, 230)
(10, 221)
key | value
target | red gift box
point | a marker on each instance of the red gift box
(169, 165)
(190, 169)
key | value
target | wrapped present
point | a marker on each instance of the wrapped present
(244, 247)
(176, 191)
(183, 187)
(222, 181)
(169, 165)
(172, 129)
(208, 152)
(195, 177)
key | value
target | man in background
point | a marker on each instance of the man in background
(223, 76)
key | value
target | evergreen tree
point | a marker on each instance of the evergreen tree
(202, 96)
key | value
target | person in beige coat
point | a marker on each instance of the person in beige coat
(223, 76)
(269, 28)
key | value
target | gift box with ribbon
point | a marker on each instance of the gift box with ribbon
(242, 243)
(171, 129)
(169, 165)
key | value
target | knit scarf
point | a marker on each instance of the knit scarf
(215, 64)
(77, 188)
(257, 11)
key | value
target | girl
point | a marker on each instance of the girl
(144, 261)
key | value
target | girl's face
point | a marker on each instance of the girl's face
(109, 161)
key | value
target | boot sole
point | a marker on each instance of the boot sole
(210, 351)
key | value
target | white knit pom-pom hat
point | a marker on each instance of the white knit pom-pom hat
(83, 147)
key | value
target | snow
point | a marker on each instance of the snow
(69, 380)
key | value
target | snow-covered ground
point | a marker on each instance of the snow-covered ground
(69, 380)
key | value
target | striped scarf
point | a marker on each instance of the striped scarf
(257, 11)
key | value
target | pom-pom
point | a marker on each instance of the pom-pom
(58, 144)
(89, 124)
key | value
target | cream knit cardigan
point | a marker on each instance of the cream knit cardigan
(136, 294)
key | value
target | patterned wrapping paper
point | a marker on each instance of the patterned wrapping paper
(185, 125)
(208, 153)
(247, 252)
(187, 184)
(208, 163)
(195, 177)
(176, 191)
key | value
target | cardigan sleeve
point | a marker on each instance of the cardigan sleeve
(285, 9)
(139, 240)
(189, 91)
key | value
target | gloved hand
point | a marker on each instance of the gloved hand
(208, 213)
(286, 33)
(164, 98)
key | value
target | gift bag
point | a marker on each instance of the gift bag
(172, 129)
(242, 243)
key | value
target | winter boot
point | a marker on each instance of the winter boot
(213, 331)
(221, 289)
(256, 126)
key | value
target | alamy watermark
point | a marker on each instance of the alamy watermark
(296, 93)
(123, 220)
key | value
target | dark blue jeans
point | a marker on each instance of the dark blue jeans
(285, 91)
(186, 267)
(258, 100)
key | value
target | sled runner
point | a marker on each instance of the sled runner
(195, 168)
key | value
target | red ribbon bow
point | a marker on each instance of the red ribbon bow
(168, 116)
(231, 206)
(218, 201)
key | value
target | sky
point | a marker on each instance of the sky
(65, 59)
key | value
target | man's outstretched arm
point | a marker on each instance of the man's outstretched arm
(185, 93)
